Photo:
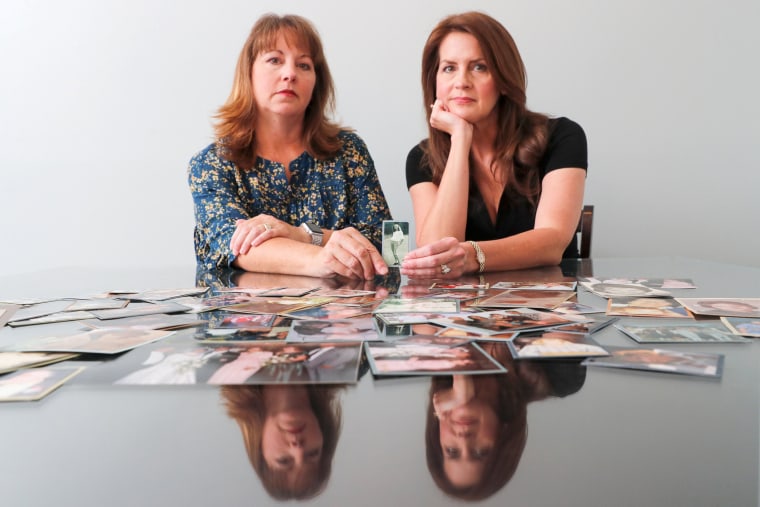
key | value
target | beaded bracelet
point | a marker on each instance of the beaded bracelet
(479, 255)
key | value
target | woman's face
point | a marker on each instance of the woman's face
(291, 441)
(468, 434)
(464, 82)
(283, 80)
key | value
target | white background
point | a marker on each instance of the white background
(102, 104)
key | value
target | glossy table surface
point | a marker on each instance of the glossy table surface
(618, 438)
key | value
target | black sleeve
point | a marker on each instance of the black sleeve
(567, 146)
(415, 171)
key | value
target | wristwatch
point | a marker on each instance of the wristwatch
(314, 231)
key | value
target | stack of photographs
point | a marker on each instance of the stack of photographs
(707, 332)
(744, 326)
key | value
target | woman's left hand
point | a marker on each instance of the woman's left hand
(254, 231)
(444, 258)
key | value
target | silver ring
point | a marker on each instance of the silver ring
(445, 269)
(267, 227)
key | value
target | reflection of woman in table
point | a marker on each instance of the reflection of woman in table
(290, 434)
(397, 238)
(476, 426)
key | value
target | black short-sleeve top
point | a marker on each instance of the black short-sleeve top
(566, 148)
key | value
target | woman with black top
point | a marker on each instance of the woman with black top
(495, 186)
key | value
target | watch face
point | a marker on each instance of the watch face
(313, 228)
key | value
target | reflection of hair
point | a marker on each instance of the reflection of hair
(510, 407)
(235, 128)
(245, 404)
(522, 135)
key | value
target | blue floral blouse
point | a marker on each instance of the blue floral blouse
(343, 191)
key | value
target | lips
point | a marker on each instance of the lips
(287, 93)
(462, 100)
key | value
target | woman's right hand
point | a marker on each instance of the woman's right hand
(443, 119)
(349, 254)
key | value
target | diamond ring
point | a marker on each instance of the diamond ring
(267, 227)
(445, 269)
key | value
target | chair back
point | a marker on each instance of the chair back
(585, 229)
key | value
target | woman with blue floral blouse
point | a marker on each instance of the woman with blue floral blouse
(283, 189)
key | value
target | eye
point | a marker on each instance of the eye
(284, 461)
(304, 66)
(481, 454)
(273, 60)
(451, 452)
(480, 67)
(447, 68)
(313, 455)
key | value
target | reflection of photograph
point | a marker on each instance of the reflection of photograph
(723, 307)
(429, 355)
(677, 333)
(355, 330)
(670, 361)
(395, 241)
(646, 307)
(573, 308)
(653, 283)
(34, 383)
(250, 322)
(459, 286)
(12, 361)
(553, 344)
(329, 312)
(744, 326)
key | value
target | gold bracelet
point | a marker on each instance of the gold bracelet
(479, 255)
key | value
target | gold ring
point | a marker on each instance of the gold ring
(445, 269)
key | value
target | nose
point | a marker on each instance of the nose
(462, 79)
(464, 433)
(289, 72)
(296, 441)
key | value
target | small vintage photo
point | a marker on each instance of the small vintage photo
(395, 241)
(32, 384)
(528, 298)
(96, 341)
(418, 305)
(619, 289)
(351, 330)
(663, 307)
(502, 321)
(568, 285)
(668, 361)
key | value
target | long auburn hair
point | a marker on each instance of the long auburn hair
(234, 129)
(246, 405)
(522, 134)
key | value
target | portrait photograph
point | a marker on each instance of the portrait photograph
(395, 242)
(12, 361)
(502, 321)
(95, 341)
(745, 326)
(667, 361)
(32, 384)
(661, 307)
(620, 289)
(527, 298)
(419, 305)
(358, 329)
(569, 285)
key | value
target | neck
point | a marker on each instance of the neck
(279, 139)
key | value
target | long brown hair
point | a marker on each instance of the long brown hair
(522, 135)
(245, 404)
(236, 118)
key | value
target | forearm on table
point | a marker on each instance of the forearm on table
(537, 247)
(281, 256)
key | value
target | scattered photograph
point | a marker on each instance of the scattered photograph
(291, 292)
(164, 294)
(245, 321)
(32, 384)
(453, 332)
(278, 305)
(660, 307)
(553, 344)
(343, 293)
(590, 327)
(237, 364)
(134, 310)
(573, 308)
(395, 242)
(723, 307)
(330, 311)
(668, 361)
(745, 326)
(95, 341)
(278, 332)
(419, 305)
(568, 285)
(682, 333)
(96, 304)
(52, 318)
(360, 329)
(502, 321)
(156, 321)
(652, 283)
(429, 355)
(12, 361)
(459, 286)
(617, 290)
(409, 318)
(527, 298)
(39, 310)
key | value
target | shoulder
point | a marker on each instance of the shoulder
(351, 142)
(207, 158)
(415, 155)
(567, 145)
(416, 170)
